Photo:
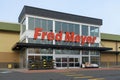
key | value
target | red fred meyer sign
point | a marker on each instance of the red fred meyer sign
(69, 37)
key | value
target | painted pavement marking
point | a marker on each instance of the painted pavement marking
(75, 75)
(4, 72)
(84, 77)
(97, 79)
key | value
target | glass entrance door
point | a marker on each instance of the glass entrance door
(67, 62)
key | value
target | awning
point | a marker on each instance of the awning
(112, 52)
(19, 46)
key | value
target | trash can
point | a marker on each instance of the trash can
(9, 66)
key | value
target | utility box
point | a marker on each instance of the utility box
(9, 66)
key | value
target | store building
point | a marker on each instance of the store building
(69, 40)
(110, 58)
(54, 38)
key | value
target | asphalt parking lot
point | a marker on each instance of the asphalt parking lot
(89, 74)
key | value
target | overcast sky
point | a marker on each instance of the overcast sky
(107, 10)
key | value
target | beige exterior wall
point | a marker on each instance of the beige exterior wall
(110, 57)
(9, 57)
(111, 44)
(7, 40)
(107, 57)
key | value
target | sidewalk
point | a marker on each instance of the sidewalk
(61, 70)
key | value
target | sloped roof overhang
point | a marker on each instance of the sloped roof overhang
(19, 46)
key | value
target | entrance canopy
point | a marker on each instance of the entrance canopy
(19, 46)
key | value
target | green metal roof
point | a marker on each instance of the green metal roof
(111, 37)
(9, 26)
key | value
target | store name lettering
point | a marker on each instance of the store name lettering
(69, 37)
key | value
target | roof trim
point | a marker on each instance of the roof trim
(4, 26)
(110, 37)
(58, 15)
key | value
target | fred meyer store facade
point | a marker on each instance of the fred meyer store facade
(59, 39)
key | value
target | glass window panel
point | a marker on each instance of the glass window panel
(85, 59)
(31, 40)
(56, 42)
(31, 50)
(37, 41)
(76, 44)
(31, 23)
(71, 29)
(50, 58)
(50, 25)
(70, 43)
(57, 51)
(67, 43)
(64, 59)
(44, 57)
(37, 51)
(50, 51)
(64, 64)
(58, 26)
(71, 59)
(85, 52)
(94, 53)
(94, 31)
(77, 29)
(64, 27)
(31, 59)
(44, 25)
(85, 30)
(37, 22)
(50, 42)
(64, 51)
(58, 59)
(77, 65)
(71, 64)
(37, 58)
(75, 52)
(86, 44)
(43, 51)
(76, 60)
(40, 41)
(44, 41)
(58, 64)
(95, 45)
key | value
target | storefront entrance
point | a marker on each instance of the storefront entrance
(67, 62)
(40, 62)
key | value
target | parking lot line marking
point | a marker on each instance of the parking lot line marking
(68, 73)
(84, 77)
(75, 75)
(97, 79)
(6, 72)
